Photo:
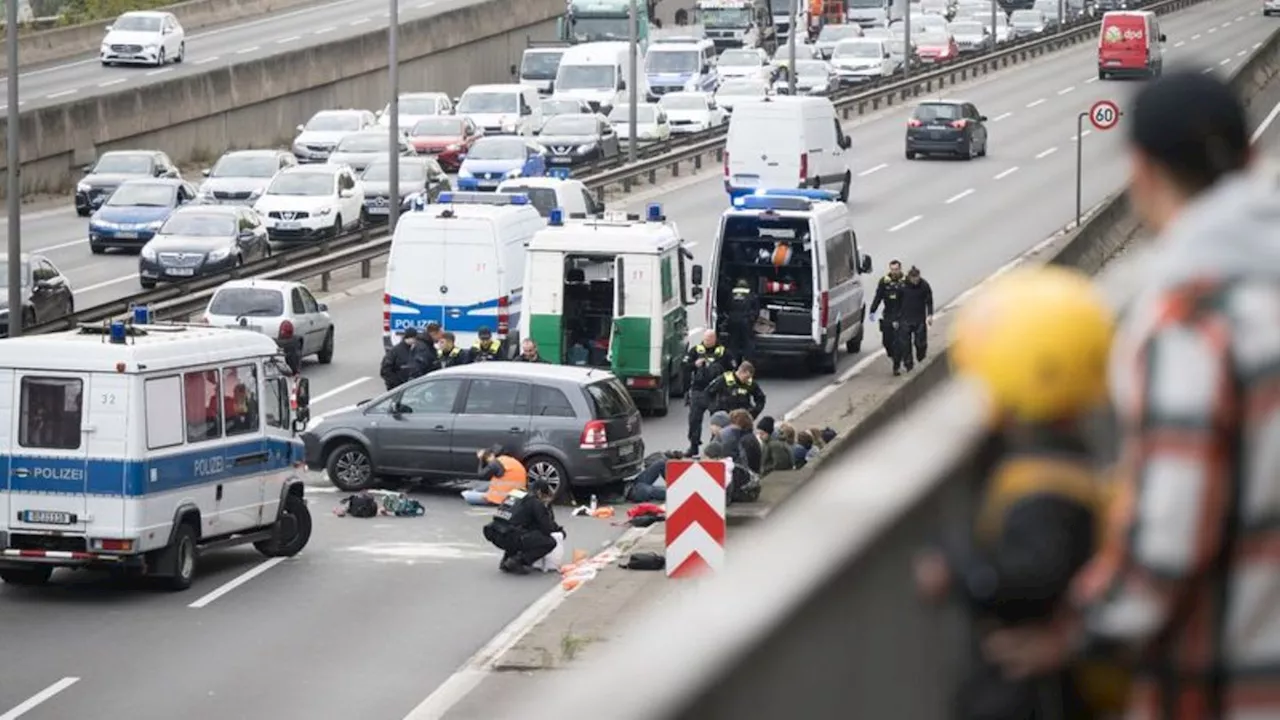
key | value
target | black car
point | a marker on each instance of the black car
(202, 240)
(947, 127)
(578, 139)
(102, 178)
(46, 293)
(420, 178)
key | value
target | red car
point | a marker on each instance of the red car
(937, 48)
(447, 137)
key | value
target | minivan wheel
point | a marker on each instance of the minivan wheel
(350, 468)
(661, 402)
(854, 346)
(550, 471)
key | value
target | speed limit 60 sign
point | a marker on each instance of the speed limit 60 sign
(1104, 114)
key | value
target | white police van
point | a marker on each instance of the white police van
(797, 252)
(134, 447)
(460, 262)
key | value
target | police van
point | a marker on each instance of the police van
(797, 252)
(460, 263)
(134, 447)
(677, 63)
(612, 293)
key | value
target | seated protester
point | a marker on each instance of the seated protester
(731, 437)
(777, 455)
(804, 450)
(485, 348)
(501, 472)
(448, 353)
(529, 352)
(744, 486)
(752, 448)
(828, 434)
(651, 484)
(525, 529)
(718, 422)
(818, 441)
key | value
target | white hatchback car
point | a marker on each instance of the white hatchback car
(306, 203)
(652, 124)
(144, 38)
(285, 311)
(691, 112)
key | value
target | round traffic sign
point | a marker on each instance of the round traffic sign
(1104, 114)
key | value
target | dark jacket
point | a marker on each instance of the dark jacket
(752, 452)
(699, 377)
(535, 359)
(728, 393)
(403, 363)
(777, 456)
(529, 514)
(453, 356)
(889, 294)
(481, 351)
(917, 302)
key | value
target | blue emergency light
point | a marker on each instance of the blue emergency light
(560, 173)
(810, 193)
(556, 217)
(420, 201)
(768, 203)
(141, 315)
(481, 198)
(118, 333)
(653, 213)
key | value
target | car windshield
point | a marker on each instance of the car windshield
(489, 102)
(241, 301)
(966, 28)
(570, 125)
(137, 23)
(740, 58)
(364, 143)
(1025, 17)
(609, 399)
(200, 224)
(933, 39)
(143, 195)
(836, 33)
(540, 65)
(438, 127)
(985, 19)
(857, 49)
(586, 77)
(877, 33)
(672, 61)
(561, 107)
(741, 87)
(497, 149)
(302, 183)
(4, 273)
(937, 111)
(124, 164)
(644, 113)
(411, 171)
(418, 106)
(811, 68)
(724, 17)
(333, 122)
(684, 102)
(1048, 9)
(252, 166)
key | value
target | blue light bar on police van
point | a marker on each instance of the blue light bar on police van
(766, 202)
(481, 198)
(559, 173)
(810, 193)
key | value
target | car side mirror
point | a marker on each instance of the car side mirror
(846, 142)
(456, 101)
(299, 128)
(107, 28)
(301, 419)
(322, 307)
(622, 84)
(346, 193)
(302, 393)
(1162, 37)
(866, 264)
(526, 110)
(205, 172)
(706, 68)
(513, 71)
(696, 275)
(983, 118)
(696, 292)
(88, 169)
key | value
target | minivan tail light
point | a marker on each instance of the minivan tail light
(504, 315)
(804, 166)
(824, 307)
(386, 312)
(726, 164)
(594, 436)
(286, 330)
(958, 124)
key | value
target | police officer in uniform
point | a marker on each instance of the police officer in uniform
(703, 363)
(737, 390)
(486, 348)
(448, 353)
(889, 293)
(744, 308)
(522, 528)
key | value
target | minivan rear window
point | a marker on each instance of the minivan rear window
(254, 302)
(543, 199)
(609, 399)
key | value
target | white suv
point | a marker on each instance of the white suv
(147, 38)
(284, 311)
(311, 202)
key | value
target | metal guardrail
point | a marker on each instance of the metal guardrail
(181, 300)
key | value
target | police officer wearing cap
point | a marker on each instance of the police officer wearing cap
(486, 348)
(702, 364)
(889, 293)
(744, 308)
(736, 390)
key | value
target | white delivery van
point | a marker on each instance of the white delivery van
(798, 252)
(612, 293)
(598, 73)
(460, 263)
(134, 447)
(502, 109)
(538, 66)
(547, 193)
(786, 142)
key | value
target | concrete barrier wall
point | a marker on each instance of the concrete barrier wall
(68, 42)
(259, 103)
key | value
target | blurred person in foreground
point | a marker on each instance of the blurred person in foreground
(1188, 584)
(1036, 341)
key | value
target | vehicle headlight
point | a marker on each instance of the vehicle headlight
(324, 211)
(256, 193)
(464, 172)
(220, 254)
(586, 148)
(204, 193)
(154, 225)
(104, 49)
(102, 224)
(514, 173)
(148, 252)
(152, 47)
(83, 187)
(455, 147)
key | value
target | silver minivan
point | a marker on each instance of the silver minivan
(572, 427)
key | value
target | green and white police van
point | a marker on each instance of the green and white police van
(613, 293)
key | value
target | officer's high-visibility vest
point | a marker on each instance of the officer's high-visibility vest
(513, 477)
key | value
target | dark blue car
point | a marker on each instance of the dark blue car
(135, 211)
(494, 159)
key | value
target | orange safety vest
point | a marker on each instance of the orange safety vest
(513, 478)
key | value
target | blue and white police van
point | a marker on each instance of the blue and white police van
(136, 446)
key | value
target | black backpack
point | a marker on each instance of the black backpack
(362, 505)
(743, 487)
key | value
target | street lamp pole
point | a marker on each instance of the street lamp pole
(14, 125)
(393, 112)
(794, 24)
(907, 54)
(634, 34)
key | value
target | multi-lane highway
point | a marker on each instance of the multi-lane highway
(377, 613)
(314, 25)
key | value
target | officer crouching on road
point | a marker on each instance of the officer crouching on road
(486, 348)
(523, 528)
(737, 390)
(448, 353)
(744, 309)
(889, 293)
(702, 364)
(917, 316)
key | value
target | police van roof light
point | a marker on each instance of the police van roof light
(654, 213)
(560, 173)
(141, 315)
(556, 217)
(810, 193)
(118, 333)
(764, 202)
(482, 198)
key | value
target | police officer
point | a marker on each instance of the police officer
(737, 390)
(522, 528)
(744, 308)
(448, 353)
(889, 293)
(486, 348)
(405, 360)
(917, 316)
(702, 364)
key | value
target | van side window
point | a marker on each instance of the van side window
(275, 402)
(497, 397)
(240, 399)
(164, 411)
(204, 405)
(840, 259)
(550, 402)
(668, 285)
(51, 413)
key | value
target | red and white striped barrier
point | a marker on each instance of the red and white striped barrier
(695, 515)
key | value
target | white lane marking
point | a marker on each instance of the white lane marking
(1266, 123)
(1225, 61)
(1006, 173)
(246, 51)
(340, 389)
(1064, 91)
(1226, 24)
(30, 703)
(324, 30)
(237, 582)
(1257, 45)
(998, 118)
(1091, 80)
(1035, 103)
(905, 223)
(361, 21)
(1239, 18)
(959, 196)
(20, 104)
(109, 83)
(1206, 71)
(206, 61)
(1047, 153)
(1213, 30)
(161, 71)
(1180, 43)
(64, 93)
(73, 243)
(1195, 37)
(424, 6)
(289, 39)
(1084, 134)
(1241, 53)
(108, 283)
(868, 171)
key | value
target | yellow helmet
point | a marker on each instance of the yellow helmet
(1038, 340)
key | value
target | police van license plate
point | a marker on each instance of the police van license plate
(47, 517)
(746, 180)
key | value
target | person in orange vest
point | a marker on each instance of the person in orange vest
(503, 473)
